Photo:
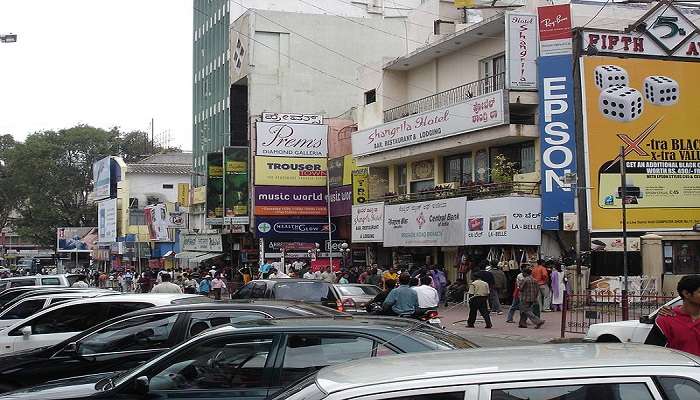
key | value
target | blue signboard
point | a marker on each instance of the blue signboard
(557, 136)
(294, 229)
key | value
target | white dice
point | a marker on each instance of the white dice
(621, 103)
(610, 75)
(661, 90)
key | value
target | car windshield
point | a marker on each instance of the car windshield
(350, 290)
(302, 291)
(441, 339)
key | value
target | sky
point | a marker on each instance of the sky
(99, 62)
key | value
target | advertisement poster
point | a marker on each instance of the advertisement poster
(291, 140)
(335, 171)
(205, 242)
(522, 48)
(368, 223)
(555, 29)
(76, 239)
(102, 178)
(290, 201)
(281, 171)
(107, 221)
(157, 222)
(341, 201)
(428, 223)
(360, 185)
(653, 118)
(307, 230)
(477, 113)
(183, 194)
(215, 189)
(506, 220)
(177, 220)
(236, 185)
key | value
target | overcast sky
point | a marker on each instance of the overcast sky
(99, 62)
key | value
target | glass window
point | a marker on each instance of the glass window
(458, 168)
(50, 281)
(244, 292)
(420, 186)
(141, 333)
(431, 396)
(258, 291)
(677, 388)
(71, 318)
(23, 282)
(358, 290)
(305, 354)
(527, 157)
(201, 321)
(57, 300)
(228, 363)
(401, 178)
(24, 309)
(684, 257)
(117, 309)
(481, 166)
(612, 391)
(303, 291)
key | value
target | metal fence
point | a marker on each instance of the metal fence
(583, 310)
(447, 98)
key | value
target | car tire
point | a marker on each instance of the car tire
(608, 339)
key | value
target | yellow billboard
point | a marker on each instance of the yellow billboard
(348, 166)
(199, 195)
(283, 171)
(647, 106)
(183, 194)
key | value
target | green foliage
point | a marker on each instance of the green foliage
(503, 169)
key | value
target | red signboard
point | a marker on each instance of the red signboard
(554, 22)
(322, 263)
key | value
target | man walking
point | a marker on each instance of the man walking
(541, 276)
(479, 294)
(529, 291)
(165, 286)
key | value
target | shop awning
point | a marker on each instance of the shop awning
(189, 254)
(169, 254)
(204, 257)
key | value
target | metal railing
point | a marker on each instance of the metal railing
(470, 191)
(447, 98)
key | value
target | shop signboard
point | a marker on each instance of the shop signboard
(340, 199)
(102, 178)
(199, 195)
(615, 244)
(183, 194)
(107, 221)
(654, 121)
(295, 118)
(312, 230)
(504, 221)
(521, 45)
(335, 171)
(177, 220)
(291, 140)
(157, 221)
(215, 189)
(427, 223)
(290, 171)
(477, 113)
(76, 239)
(236, 185)
(290, 200)
(360, 185)
(205, 242)
(368, 223)
(555, 29)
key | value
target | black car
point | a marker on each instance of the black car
(253, 359)
(131, 339)
(306, 290)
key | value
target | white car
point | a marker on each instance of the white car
(635, 331)
(55, 324)
(65, 280)
(26, 307)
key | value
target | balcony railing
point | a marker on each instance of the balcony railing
(472, 191)
(447, 98)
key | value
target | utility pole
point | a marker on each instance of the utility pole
(623, 194)
(153, 147)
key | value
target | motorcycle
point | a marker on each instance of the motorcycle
(430, 316)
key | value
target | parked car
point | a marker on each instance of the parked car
(253, 359)
(31, 291)
(9, 295)
(355, 296)
(134, 338)
(635, 331)
(39, 280)
(55, 324)
(548, 372)
(306, 290)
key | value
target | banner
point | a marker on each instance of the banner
(81, 240)
(107, 221)
(291, 140)
(348, 166)
(290, 200)
(360, 185)
(215, 189)
(177, 220)
(311, 230)
(183, 194)
(521, 48)
(555, 30)
(207, 242)
(428, 223)
(335, 171)
(654, 118)
(506, 220)
(368, 223)
(102, 178)
(157, 222)
(199, 195)
(295, 118)
(290, 171)
(341, 201)
(236, 185)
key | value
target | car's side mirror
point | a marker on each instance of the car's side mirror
(26, 331)
(141, 385)
(71, 348)
(645, 319)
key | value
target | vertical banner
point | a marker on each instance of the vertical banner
(521, 48)
(102, 178)
(360, 185)
(556, 117)
(107, 221)
(215, 189)
(183, 194)
(236, 186)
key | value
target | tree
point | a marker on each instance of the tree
(8, 195)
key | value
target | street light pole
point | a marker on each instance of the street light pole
(623, 194)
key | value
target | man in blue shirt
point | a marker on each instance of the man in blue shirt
(402, 300)
(265, 270)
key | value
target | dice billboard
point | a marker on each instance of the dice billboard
(649, 107)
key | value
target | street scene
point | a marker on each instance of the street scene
(350, 199)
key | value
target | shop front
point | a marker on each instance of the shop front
(199, 249)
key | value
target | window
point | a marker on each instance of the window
(23, 282)
(259, 290)
(492, 71)
(459, 168)
(481, 166)
(141, 333)
(611, 391)
(24, 309)
(244, 292)
(167, 186)
(431, 396)
(117, 309)
(358, 290)
(370, 96)
(133, 202)
(201, 321)
(401, 179)
(677, 388)
(228, 363)
(137, 217)
(522, 154)
(303, 291)
(682, 257)
(419, 186)
(305, 354)
(57, 300)
(50, 281)
(75, 318)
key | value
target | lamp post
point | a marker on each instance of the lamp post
(344, 252)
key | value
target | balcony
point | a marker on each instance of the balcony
(447, 98)
(472, 191)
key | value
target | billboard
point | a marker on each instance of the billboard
(291, 229)
(427, 223)
(236, 185)
(506, 220)
(360, 185)
(368, 223)
(335, 171)
(102, 178)
(177, 220)
(340, 199)
(76, 239)
(290, 171)
(555, 29)
(291, 140)
(290, 200)
(653, 117)
(521, 47)
(215, 189)
(183, 194)
(107, 221)
(157, 220)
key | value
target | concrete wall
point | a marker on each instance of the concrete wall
(141, 186)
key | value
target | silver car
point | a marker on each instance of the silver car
(549, 372)
(355, 296)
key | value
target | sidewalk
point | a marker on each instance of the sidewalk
(454, 318)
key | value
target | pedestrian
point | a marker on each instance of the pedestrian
(80, 283)
(247, 276)
(328, 275)
(373, 278)
(428, 297)
(558, 287)
(217, 285)
(344, 279)
(515, 305)
(189, 284)
(541, 276)
(204, 286)
(501, 282)
(309, 274)
(265, 269)
(391, 274)
(165, 285)
(529, 292)
(679, 327)
(479, 293)
(439, 280)
(363, 276)
(145, 282)
(487, 276)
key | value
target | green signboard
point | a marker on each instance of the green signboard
(236, 186)
(215, 189)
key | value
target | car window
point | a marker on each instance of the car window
(56, 300)
(358, 290)
(71, 318)
(24, 309)
(677, 388)
(140, 333)
(438, 339)
(306, 353)
(50, 281)
(228, 363)
(303, 291)
(431, 396)
(23, 282)
(9, 296)
(118, 309)
(201, 321)
(244, 292)
(74, 278)
(258, 290)
(607, 391)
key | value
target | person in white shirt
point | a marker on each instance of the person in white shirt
(80, 283)
(309, 275)
(275, 274)
(328, 275)
(166, 286)
(428, 297)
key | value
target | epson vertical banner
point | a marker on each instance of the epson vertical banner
(556, 117)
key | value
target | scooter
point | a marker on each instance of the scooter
(431, 317)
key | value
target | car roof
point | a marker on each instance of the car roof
(340, 322)
(406, 367)
(227, 305)
(83, 293)
(15, 278)
(287, 280)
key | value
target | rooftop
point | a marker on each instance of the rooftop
(184, 158)
(173, 163)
